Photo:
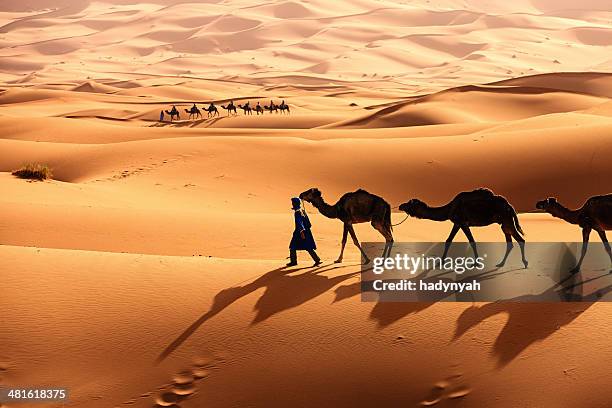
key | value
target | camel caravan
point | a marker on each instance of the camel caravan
(477, 208)
(195, 113)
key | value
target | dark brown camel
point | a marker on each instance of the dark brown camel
(354, 208)
(258, 109)
(283, 107)
(194, 112)
(230, 108)
(272, 107)
(212, 110)
(476, 208)
(595, 214)
(246, 108)
(173, 112)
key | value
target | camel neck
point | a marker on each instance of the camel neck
(566, 214)
(436, 213)
(329, 211)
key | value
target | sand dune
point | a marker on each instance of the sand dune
(346, 40)
(479, 104)
(315, 322)
(146, 271)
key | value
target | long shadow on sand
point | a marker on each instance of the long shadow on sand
(530, 321)
(284, 291)
(388, 312)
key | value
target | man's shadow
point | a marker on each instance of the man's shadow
(283, 291)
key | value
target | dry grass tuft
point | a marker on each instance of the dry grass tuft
(34, 171)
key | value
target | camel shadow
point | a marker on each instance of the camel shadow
(283, 291)
(529, 320)
(388, 312)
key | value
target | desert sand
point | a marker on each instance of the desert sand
(147, 272)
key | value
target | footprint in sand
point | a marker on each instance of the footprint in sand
(184, 384)
(3, 370)
(447, 389)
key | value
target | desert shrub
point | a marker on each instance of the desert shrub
(33, 171)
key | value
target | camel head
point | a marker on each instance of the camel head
(311, 195)
(413, 207)
(547, 204)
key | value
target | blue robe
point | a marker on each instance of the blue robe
(302, 223)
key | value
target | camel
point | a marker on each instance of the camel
(212, 110)
(476, 208)
(283, 107)
(595, 214)
(173, 112)
(353, 208)
(246, 108)
(194, 111)
(230, 108)
(258, 109)
(272, 107)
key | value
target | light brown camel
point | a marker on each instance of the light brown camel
(230, 108)
(354, 208)
(595, 214)
(476, 208)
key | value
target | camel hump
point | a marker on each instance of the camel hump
(483, 192)
(599, 200)
(605, 197)
(478, 194)
(362, 192)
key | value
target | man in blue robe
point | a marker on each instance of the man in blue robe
(302, 239)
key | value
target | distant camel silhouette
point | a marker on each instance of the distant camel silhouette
(476, 208)
(230, 108)
(194, 111)
(173, 112)
(353, 208)
(212, 110)
(595, 214)
(258, 109)
(246, 108)
(283, 107)
(272, 107)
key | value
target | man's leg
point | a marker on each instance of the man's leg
(314, 256)
(292, 257)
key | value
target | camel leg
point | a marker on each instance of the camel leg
(344, 236)
(388, 238)
(604, 239)
(356, 242)
(508, 249)
(521, 242)
(585, 244)
(450, 238)
(470, 237)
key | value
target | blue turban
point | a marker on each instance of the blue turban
(296, 203)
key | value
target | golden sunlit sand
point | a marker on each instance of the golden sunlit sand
(146, 272)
